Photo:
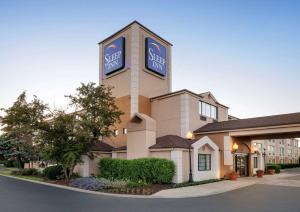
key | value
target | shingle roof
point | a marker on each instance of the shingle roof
(171, 141)
(122, 148)
(265, 121)
(103, 147)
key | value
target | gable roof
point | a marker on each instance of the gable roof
(171, 141)
(189, 92)
(127, 26)
(103, 147)
(264, 121)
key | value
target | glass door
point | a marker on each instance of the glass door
(241, 164)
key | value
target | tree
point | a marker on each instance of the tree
(67, 137)
(63, 141)
(98, 110)
(20, 123)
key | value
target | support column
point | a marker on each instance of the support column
(176, 157)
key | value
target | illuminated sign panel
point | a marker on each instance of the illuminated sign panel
(114, 56)
(155, 54)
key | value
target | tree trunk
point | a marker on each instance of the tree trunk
(20, 163)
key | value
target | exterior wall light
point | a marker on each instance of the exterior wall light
(235, 147)
(255, 150)
(189, 136)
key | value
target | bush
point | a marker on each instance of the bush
(109, 184)
(148, 170)
(88, 183)
(11, 163)
(54, 172)
(273, 166)
(289, 165)
(26, 172)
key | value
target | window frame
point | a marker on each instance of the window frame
(207, 162)
(203, 110)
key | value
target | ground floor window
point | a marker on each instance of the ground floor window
(255, 165)
(204, 162)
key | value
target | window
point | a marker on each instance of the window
(255, 163)
(116, 132)
(124, 131)
(258, 146)
(271, 150)
(207, 110)
(281, 161)
(281, 151)
(289, 151)
(289, 142)
(204, 162)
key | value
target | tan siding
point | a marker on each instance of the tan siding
(166, 112)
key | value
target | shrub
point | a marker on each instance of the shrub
(148, 170)
(289, 165)
(30, 172)
(273, 166)
(11, 163)
(88, 183)
(26, 172)
(119, 184)
(54, 172)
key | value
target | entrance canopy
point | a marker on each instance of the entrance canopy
(277, 126)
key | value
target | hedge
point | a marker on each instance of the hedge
(26, 172)
(289, 165)
(273, 166)
(53, 172)
(149, 170)
(11, 163)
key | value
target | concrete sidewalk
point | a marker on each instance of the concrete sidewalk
(203, 190)
(283, 179)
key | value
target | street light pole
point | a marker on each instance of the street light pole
(189, 136)
(264, 155)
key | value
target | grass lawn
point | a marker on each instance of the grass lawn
(7, 172)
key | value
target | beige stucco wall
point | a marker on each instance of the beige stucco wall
(222, 111)
(139, 142)
(194, 116)
(150, 84)
(90, 166)
(185, 166)
(166, 112)
(122, 155)
(218, 139)
(124, 75)
(166, 154)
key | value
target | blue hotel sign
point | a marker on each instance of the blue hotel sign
(114, 56)
(155, 57)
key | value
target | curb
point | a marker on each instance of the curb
(78, 189)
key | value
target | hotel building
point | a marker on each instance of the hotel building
(138, 64)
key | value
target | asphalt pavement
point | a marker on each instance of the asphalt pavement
(17, 195)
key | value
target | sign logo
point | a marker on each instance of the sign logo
(155, 54)
(114, 56)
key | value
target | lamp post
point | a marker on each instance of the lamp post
(264, 155)
(189, 136)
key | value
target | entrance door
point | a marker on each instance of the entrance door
(241, 164)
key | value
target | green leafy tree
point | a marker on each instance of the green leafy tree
(67, 137)
(20, 123)
(98, 110)
(63, 142)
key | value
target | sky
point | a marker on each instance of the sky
(247, 53)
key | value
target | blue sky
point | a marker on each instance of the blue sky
(246, 52)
